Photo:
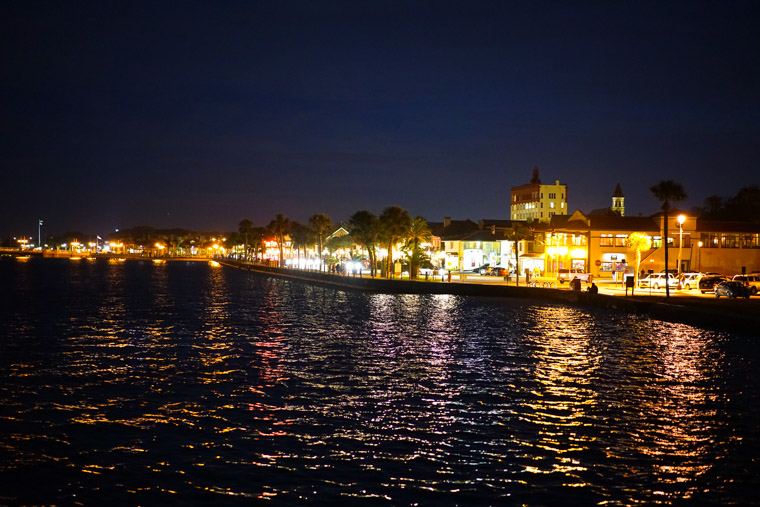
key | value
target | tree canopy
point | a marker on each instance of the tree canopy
(743, 207)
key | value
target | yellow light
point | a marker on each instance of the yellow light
(214, 264)
(562, 250)
(578, 253)
(552, 250)
(681, 219)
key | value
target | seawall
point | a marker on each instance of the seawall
(701, 312)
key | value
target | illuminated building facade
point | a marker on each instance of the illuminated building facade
(534, 201)
(597, 244)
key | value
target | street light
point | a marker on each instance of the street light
(699, 257)
(681, 219)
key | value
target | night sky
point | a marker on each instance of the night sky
(200, 114)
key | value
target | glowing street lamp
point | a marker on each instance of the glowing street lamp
(699, 256)
(681, 219)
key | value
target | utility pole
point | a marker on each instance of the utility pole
(39, 234)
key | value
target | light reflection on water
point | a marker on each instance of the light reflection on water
(180, 382)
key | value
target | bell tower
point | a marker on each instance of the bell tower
(618, 201)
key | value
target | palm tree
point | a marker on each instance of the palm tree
(517, 232)
(301, 236)
(418, 234)
(364, 229)
(667, 191)
(280, 227)
(320, 224)
(638, 242)
(395, 223)
(245, 228)
(257, 243)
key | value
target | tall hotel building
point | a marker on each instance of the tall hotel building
(534, 201)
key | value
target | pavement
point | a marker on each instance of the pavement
(606, 286)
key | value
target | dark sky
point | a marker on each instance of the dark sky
(200, 114)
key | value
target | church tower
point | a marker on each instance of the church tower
(618, 201)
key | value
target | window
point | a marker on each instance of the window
(751, 241)
(620, 240)
(551, 205)
(709, 240)
(606, 240)
(729, 240)
(579, 240)
(562, 205)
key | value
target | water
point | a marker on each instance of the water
(137, 383)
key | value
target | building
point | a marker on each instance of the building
(598, 244)
(465, 245)
(618, 201)
(534, 201)
(726, 247)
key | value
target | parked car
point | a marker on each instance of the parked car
(732, 290)
(688, 281)
(567, 275)
(751, 281)
(658, 280)
(708, 283)
(482, 270)
(497, 271)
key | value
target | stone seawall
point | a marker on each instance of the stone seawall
(698, 312)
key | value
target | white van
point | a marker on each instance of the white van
(567, 275)
(657, 280)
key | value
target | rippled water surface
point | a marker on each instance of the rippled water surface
(182, 383)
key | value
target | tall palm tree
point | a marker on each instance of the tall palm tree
(517, 232)
(257, 242)
(280, 227)
(395, 223)
(302, 237)
(667, 191)
(419, 232)
(245, 228)
(365, 229)
(320, 225)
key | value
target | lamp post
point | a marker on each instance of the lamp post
(39, 233)
(681, 219)
(699, 257)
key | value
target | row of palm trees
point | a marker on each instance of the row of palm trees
(393, 227)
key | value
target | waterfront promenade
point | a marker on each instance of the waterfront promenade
(694, 309)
